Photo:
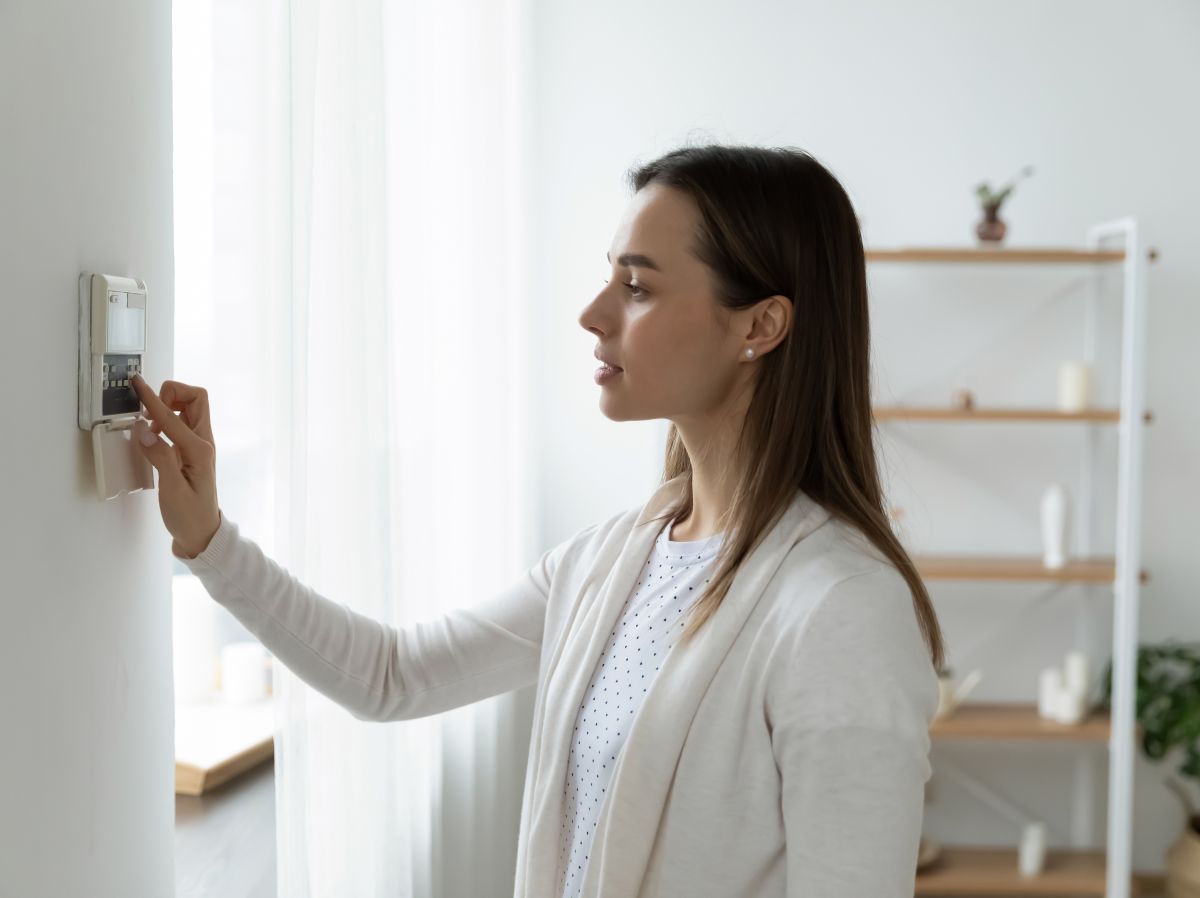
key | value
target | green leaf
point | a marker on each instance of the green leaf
(1167, 702)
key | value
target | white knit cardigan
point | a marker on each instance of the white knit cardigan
(783, 753)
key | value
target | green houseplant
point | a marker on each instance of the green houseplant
(1168, 714)
(991, 229)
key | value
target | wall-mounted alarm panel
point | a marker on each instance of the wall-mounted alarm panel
(112, 348)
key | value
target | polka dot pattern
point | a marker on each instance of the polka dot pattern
(674, 576)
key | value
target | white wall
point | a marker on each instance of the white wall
(911, 104)
(87, 745)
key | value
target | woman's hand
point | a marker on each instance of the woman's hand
(187, 470)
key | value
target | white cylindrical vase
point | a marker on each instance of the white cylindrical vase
(1054, 526)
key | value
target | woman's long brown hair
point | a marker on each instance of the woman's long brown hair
(776, 221)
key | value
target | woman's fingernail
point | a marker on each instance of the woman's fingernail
(147, 438)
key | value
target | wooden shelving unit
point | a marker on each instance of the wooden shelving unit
(1017, 722)
(993, 872)
(933, 413)
(1002, 254)
(1081, 870)
(1005, 567)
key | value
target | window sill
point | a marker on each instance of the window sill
(215, 742)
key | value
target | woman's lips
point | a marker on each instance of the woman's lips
(605, 373)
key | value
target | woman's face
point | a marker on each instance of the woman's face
(677, 348)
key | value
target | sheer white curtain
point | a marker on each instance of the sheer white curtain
(371, 186)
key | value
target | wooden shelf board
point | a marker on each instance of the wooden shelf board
(1036, 254)
(993, 871)
(1017, 721)
(1004, 567)
(939, 413)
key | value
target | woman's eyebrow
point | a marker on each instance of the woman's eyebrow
(633, 260)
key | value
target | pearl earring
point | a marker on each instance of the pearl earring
(749, 353)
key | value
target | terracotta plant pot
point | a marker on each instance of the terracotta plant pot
(991, 229)
(1183, 865)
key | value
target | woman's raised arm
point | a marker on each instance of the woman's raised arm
(373, 669)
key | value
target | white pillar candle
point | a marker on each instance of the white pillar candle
(1076, 674)
(243, 672)
(1031, 856)
(1071, 705)
(1074, 386)
(1049, 683)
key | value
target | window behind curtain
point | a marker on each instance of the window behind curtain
(222, 326)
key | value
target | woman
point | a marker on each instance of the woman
(735, 680)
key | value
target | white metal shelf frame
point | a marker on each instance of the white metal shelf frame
(1127, 582)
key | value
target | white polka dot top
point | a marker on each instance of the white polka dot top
(675, 575)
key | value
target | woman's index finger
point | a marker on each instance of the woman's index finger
(171, 423)
(174, 393)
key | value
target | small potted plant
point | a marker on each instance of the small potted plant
(991, 229)
(1168, 713)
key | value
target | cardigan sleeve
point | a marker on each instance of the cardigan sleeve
(374, 670)
(850, 719)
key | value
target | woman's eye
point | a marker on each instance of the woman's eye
(633, 287)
